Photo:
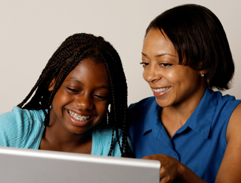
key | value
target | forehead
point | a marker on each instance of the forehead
(90, 71)
(157, 42)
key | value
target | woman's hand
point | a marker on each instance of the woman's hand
(169, 167)
(174, 171)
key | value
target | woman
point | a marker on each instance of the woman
(192, 130)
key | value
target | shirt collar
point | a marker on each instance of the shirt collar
(152, 116)
(200, 120)
(202, 117)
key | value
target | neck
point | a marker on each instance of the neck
(175, 116)
(57, 138)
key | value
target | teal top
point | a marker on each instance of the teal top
(24, 128)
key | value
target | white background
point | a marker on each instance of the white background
(31, 31)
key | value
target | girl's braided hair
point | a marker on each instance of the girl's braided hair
(72, 51)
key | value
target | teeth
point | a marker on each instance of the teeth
(78, 117)
(161, 89)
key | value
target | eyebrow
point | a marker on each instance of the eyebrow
(99, 87)
(159, 55)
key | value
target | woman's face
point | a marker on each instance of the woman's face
(82, 100)
(171, 83)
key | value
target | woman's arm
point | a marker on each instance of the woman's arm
(230, 168)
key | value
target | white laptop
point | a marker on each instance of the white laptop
(40, 166)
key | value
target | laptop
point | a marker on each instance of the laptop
(41, 166)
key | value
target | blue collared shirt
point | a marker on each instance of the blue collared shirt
(199, 144)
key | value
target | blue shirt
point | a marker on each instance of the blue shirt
(24, 128)
(199, 144)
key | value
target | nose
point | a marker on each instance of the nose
(84, 102)
(152, 74)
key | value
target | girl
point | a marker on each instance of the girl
(67, 109)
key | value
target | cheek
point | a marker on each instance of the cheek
(61, 97)
(102, 108)
(173, 76)
(180, 74)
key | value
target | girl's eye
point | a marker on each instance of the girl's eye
(100, 97)
(144, 64)
(72, 90)
(166, 65)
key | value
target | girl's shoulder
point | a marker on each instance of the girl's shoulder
(19, 126)
(103, 131)
(20, 116)
(101, 141)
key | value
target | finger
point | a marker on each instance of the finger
(165, 180)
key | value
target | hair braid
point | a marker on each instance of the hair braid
(119, 114)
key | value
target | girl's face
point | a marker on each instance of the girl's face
(82, 100)
(170, 82)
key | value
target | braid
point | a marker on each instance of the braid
(69, 54)
(119, 97)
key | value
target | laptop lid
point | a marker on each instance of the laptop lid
(38, 166)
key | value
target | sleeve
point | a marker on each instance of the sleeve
(13, 128)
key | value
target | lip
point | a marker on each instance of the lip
(161, 93)
(75, 122)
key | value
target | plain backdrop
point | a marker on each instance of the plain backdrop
(31, 31)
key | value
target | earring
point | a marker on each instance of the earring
(201, 74)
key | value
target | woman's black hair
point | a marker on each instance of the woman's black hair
(200, 41)
(72, 51)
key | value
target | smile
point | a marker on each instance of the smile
(78, 117)
(161, 89)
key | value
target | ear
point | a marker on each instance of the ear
(51, 85)
(204, 71)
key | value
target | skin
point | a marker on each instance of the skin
(84, 92)
(183, 89)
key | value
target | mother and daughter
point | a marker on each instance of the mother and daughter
(193, 131)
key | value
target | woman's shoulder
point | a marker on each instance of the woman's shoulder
(225, 102)
(144, 109)
(142, 104)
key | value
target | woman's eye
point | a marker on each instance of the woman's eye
(144, 64)
(166, 65)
